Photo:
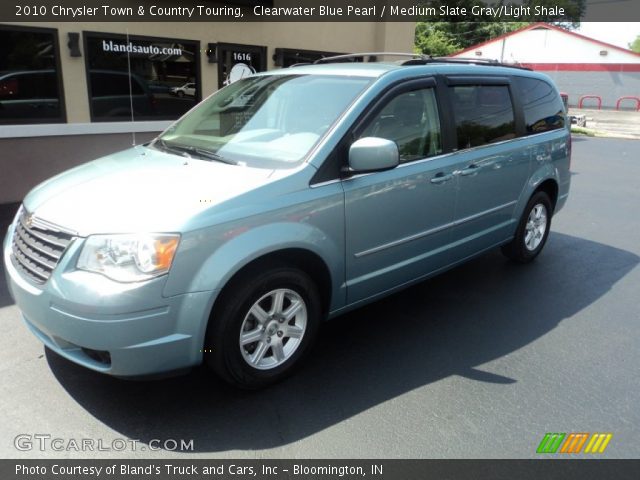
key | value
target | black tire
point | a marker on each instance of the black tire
(222, 348)
(180, 93)
(518, 250)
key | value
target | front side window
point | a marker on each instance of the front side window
(543, 107)
(266, 121)
(411, 120)
(30, 85)
(141, 78)
(483, 114)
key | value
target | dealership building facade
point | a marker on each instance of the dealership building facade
(72, 92)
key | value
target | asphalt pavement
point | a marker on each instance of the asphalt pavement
(479, 362)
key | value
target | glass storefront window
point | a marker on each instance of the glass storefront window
(239, 61)
(30, 82)
(141, 77)
(286, 57)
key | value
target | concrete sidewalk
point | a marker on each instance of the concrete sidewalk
(612, 123)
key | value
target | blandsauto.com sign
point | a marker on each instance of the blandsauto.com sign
(110, 46)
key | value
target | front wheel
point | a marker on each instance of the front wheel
(533, 230)
(264, 326)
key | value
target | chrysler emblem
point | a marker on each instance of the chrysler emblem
(28, 221)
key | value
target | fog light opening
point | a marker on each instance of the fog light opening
(99, 356)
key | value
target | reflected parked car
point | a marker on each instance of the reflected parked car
(111, 91)
(156, 86)
(186, 89)
(28, 95)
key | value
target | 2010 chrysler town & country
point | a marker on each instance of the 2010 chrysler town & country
(283, 199)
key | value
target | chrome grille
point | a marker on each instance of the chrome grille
(37, 246)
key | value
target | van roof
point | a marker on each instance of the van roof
(377, 69)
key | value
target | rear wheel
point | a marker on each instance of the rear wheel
(264, 326)
(533, 230)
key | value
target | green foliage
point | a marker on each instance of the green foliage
(435, 39)
(635, 45)
(444, 38)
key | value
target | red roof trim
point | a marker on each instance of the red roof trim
(583, 67)
(550, 27)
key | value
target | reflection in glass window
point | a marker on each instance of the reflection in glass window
(543, 108)
(483, 114)
(30, 89)
(149, 79)
(411, 120)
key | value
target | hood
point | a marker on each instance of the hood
(139, 190)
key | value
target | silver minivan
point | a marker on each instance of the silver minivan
(284, 199)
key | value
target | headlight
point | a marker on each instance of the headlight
(129, 258)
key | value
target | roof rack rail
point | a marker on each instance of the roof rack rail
(466, 61)
(349, 56)
(418, 59)
(492, 61)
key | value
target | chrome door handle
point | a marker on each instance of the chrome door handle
(470, 170)
(441, 178)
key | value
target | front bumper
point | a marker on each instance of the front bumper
(114, 328)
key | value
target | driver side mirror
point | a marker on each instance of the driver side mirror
(373, 154)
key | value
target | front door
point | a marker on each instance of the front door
(397, 220)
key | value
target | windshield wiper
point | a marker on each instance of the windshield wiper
(167, 147)
(190, 150)
(161, 145)
(208, 154)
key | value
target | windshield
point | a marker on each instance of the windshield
(264, 121)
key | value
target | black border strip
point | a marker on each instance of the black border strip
(533, 469)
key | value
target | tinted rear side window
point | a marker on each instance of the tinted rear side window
(543, 107)
(483, 114)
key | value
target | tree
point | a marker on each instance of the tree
(444, 38)
(435, 39)
(635, 45)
